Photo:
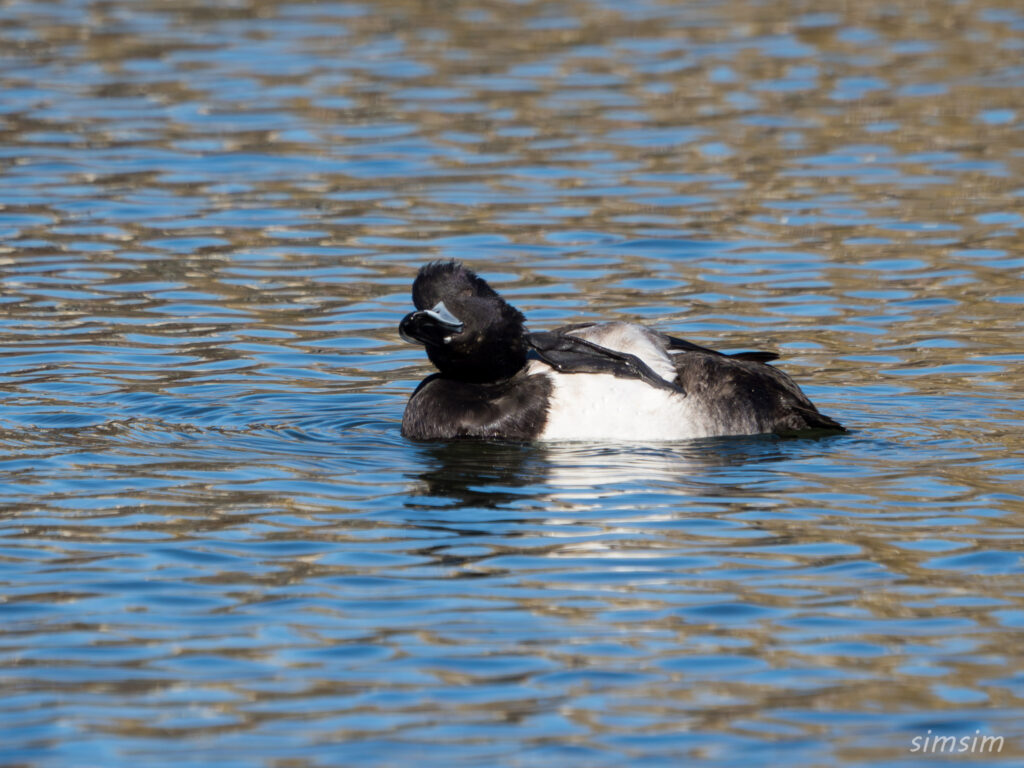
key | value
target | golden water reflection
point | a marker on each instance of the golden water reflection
(216, 546)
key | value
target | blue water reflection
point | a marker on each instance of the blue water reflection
(216, 548)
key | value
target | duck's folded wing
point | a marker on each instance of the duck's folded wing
(571, 354)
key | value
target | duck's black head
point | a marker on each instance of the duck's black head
(470, 332)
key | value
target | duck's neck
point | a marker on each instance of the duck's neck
(499, 364)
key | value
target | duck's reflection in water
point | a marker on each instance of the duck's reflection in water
(493, 475)
(628, 505)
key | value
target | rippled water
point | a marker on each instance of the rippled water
(215, 548)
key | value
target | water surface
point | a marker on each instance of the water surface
(216, 548)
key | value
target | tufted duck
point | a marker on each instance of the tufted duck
(591, 381)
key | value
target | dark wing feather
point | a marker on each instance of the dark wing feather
(689, 346)
(755, 357)
(571, 354)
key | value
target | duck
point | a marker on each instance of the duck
(596, 381)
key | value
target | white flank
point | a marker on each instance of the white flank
(599, 406)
